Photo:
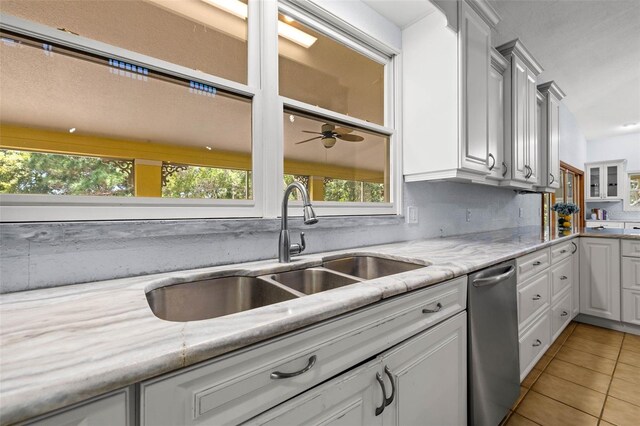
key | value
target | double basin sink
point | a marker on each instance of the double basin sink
(216, 297)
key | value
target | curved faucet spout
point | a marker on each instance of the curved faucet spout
(285, 249)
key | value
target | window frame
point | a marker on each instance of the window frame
(626, 206)
(267, 125)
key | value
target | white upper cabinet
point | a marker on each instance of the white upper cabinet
(520, 124)
(605, 180)
(549, 135)
(446, 100)
(496, 163)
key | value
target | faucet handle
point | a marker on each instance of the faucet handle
(298, 248)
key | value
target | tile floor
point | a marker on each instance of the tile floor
(588, 376)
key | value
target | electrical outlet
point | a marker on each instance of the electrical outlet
(468, 215)
(412, 214)
(521, 212)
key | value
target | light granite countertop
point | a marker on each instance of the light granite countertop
(62, 345)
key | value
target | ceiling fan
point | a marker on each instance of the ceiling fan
(330, 134)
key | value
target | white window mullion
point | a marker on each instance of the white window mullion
(272, 127)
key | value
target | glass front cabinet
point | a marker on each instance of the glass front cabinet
(605, 181)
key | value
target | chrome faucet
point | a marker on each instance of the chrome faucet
(285, 248)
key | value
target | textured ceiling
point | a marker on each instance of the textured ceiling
(591, 48)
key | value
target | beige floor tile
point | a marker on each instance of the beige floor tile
(626, 391)
(574, 395)
(628, 372)
(543, 362)
(580, 375)
(598, 334)
(523, 392)
(621, 413)
(554, 348)
(631, 343)
(595, 348)
(587, 360)
(565, 333)
(604, 423)
(531, 378)
(630, 357)
(517, 420)
(546, 411)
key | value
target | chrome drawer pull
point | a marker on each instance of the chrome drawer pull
(536, 297)
(433, 311)
(537, 342)
(280, 375)
(575, 247)
(380, 409)
(537, 263)
(564, 277)
(389, 400)
(564, 314)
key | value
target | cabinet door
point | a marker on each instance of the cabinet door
(600, 277)
(429, 372)
(475, 54)
(349, 399)
(611, 182)
(594, 182)
(496, 123)
(532, 128)
(553, 147)
(576, 281)
(519, 120)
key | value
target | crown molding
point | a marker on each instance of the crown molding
(498, 61)
(516, 48)
(486, 11)
(553, 88)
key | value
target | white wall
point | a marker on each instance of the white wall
(616, 148)
(573, 145)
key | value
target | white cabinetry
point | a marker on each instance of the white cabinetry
(605, 180)
(549, 136)
(446, 122)
(600, 277)
(421, 381)
(604, 224)
(496, 164)
(631, 281)
(520, 130)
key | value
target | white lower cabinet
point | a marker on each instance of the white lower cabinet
(600, 277)
(533, 343)
(239, 386)
(420, 381)
(561, 314)
(631, 306)
(112, 409)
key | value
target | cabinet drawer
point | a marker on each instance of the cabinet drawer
(238, 386)
(532, 263)
(560, 314)
(632, 225)
(115, 408)
(631, 248)
(631, 273)
(604, 225)
(533, 343)
(562, 251)
(631, 306)
(533, 298)
(561, 278)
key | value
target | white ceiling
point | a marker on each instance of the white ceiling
(402, 12)
(591, 48)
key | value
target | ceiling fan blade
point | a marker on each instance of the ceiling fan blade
(350, 138)
(309, 131)
(309, 140)
(343, 130)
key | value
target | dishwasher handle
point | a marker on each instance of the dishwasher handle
(494, 279)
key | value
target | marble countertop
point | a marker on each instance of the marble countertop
(630, 234)
(62, 345)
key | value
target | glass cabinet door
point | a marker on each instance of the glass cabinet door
(594, 182)
(612, 182)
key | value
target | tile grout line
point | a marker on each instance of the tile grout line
(624, 336)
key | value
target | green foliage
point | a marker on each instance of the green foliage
(207, 182)
(354, 191)
(634, 190)
(565, 208)
(41, 173)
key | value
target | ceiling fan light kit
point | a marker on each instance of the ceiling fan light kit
(330, 134)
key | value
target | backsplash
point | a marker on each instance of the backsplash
(614, 210)
(39, 255)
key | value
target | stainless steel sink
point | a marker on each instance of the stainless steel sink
(216, 297)
(312, 280)
(370, 267)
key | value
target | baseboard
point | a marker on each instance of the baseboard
(607, 323)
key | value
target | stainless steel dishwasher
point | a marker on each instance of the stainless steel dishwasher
(494, 368)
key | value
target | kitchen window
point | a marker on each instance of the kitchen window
(192, 112)
(571, 190)
(632, 193)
